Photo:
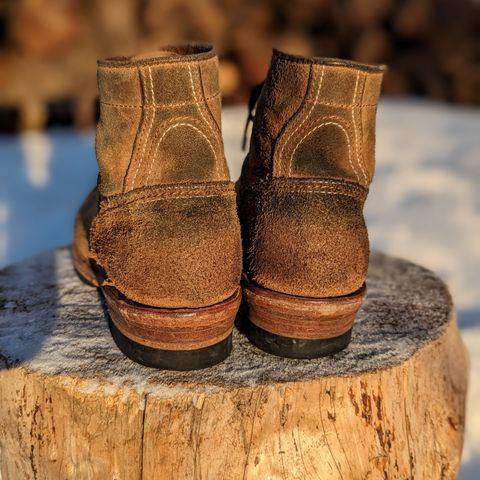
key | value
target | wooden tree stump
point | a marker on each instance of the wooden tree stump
(72, 406)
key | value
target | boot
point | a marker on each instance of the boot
(302, 190)
(160, 233)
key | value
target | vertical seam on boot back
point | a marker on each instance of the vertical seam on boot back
(285, 143)
(362, 144)
(218, 127)
(138, 135)
(279, 144)
(354, 101)
(144, 143)
(199, 108)
(205, 100)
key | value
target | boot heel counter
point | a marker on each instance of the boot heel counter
(311, 243)
(171, 247)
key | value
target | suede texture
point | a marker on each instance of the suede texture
(306, 176)
(156, 111)
(84, 219)
(170, 246)
(165, 230)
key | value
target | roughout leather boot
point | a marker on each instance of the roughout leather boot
(160, 233)
(302, 190)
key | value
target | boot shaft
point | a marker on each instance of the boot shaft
(306, 177)
(315, 118)
(159, 119)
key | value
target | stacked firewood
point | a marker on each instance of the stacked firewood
(432, 47)
(48, 48)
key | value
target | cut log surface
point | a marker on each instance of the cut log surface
(72, 406)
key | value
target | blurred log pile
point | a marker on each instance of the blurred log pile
(48, 48)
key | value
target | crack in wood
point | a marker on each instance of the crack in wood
(370, 411)
(142, 435)
(254, 416)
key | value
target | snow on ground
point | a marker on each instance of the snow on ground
(424, 203)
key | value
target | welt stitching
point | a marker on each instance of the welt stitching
(199, 108)
(157, 106)
(319, 86)
(132, 184)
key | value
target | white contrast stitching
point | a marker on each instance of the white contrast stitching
(163, 135)
(132, 184)
(316, 128)
(157, 105)
(326, 192)
(342, 105)
(187, 197)
(197, 103)
(328, 182)
(310, 186)
(158, 133)
(151, 85)
(303, 121)
(355, 133)
(169, 191)
(356, 195)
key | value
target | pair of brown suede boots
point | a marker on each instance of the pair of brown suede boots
(161, 233)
